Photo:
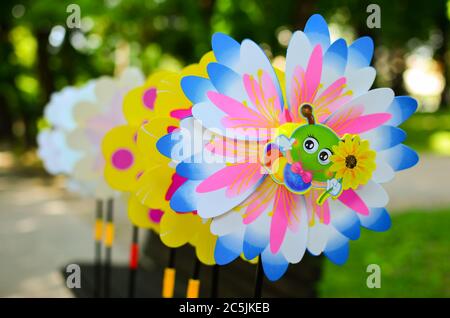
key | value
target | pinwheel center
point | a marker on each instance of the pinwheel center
(122, 159)
(350, 161)
(149, 98)
(155, 215)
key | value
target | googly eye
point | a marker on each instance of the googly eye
(310, 145)
(324, 156)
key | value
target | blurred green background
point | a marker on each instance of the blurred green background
(39, 55)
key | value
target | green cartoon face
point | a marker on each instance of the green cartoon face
(312, 148)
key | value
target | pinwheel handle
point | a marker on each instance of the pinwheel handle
(168, 282)
(193, 288)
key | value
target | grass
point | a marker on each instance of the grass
(422, 126)
(414, 256)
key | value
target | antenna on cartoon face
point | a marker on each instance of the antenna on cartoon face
(307, 112)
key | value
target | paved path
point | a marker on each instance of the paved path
(43, 228)
(426, 186)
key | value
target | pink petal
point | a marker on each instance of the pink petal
(351, 199)
(329, 95)
(246, 181)
(337, 120)
(181, 113)
(231, 176)
(264, 97)
(237, 149)
(258, 202)
(270, 93)
(234, 108)
(298, 91)
(279, 222)
(323, 211)
(177, 181)
(313, 73)
(363, 123)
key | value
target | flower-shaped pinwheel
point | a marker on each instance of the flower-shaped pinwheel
(93, 120)
(57, 156)
(133, 163)
(272, 135)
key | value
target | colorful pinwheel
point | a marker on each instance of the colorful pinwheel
(134, 165)
(55, 153)
(93, 120)
(296, 158)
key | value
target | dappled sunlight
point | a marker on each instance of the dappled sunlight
(424, 79)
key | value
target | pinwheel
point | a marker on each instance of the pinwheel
(134, 165)
(56, 155)
(293, 160)
(93, 119)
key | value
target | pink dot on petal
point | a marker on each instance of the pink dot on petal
(122, 159)
(171, 128)
(155, 215)
(149, 98)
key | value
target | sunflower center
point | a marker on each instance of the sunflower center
(350, 161)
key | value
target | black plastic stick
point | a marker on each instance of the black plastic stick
(259, 279)
(197, 266)
(193, 289)
(134, 259)
(109, 238)
(168, 286)
(133, 266)
(98, 232)
(215, 281)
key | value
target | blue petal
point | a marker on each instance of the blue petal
(254, 60)
(347, 223)
(274, 265)
(166, 143)
(252, 251)
(385, 137)
(336, 56)
(378, 220)
(316, 29)
(254, 242)
(337, 249)
(195, 170)
(400, 157)
(226, 49)
(195, 88)
(401, 109)
(184, 199)
(209, 115)
(360, 53)
(228, 248)
(226, 81)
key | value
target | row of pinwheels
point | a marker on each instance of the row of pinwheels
(293, 160)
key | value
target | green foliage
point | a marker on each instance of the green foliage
(164, 34)
(423, 127)
(413, 257)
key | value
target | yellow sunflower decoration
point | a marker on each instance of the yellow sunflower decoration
(134, 165)
(353, 161)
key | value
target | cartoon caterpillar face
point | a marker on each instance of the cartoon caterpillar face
(312, 148)
(302, 156)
